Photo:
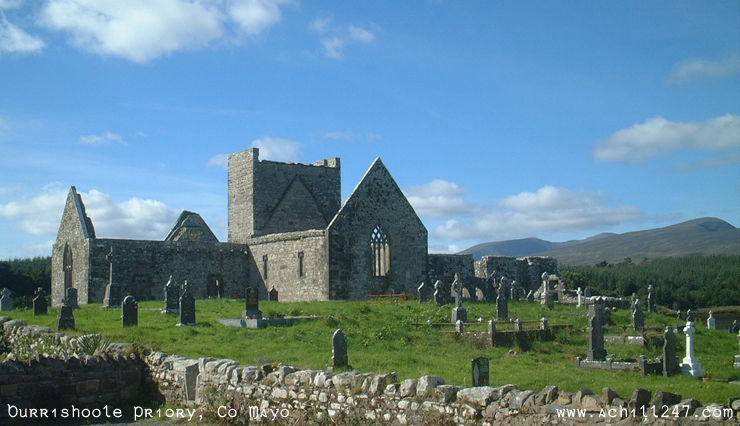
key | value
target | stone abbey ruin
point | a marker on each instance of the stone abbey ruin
(288, 231)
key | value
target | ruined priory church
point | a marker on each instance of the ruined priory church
(287, 230)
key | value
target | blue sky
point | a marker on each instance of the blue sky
(498, 120)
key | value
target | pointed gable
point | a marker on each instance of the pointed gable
(74, 217)
(190, 226)
(362, 263)
(297, 210)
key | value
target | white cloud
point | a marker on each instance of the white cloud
(15, 40)
(135, 218)
(549, 209)
(219, 160)
(277, 149)
(142, 30)
(255, 16)
(335, 39)
(696, 68)
(10, 188)
(439, 198)
(105, 139)
(658, 136)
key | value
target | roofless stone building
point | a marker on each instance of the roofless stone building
(287, 231)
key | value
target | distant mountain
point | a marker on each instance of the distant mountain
(703, 236)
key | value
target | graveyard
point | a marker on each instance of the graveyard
(405, 337)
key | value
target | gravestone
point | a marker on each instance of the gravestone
(549, 301)
(489, 288)
(339, 349)
(632, 299)
(596, 351)
(438, 295)
(711, 321)
(530, 296)
(72, 298)
(480, 295)
(466, 294)
(129, 312)
(518, 325)
(187, 306)
(40, 306)
(460, 327)
(514, 291)
(112, 298)
(253, 304)
(544, 324)
(6, 300)
(502, 304)
(735, 327)
(171, 297)
(580, 297)
(503, 286)
(422, 290)
(481, 372)
(737, 357)
(272, 295)
(651, 299)
(678, 314)
(66, 318)
(587, 292)
(690, 364)
(459, 313)
(670, 361)
(638, 317)
(690, 315)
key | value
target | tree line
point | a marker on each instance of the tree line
(679, 283)
(24, 276)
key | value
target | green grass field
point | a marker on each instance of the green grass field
(395, 337)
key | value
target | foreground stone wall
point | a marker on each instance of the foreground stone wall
(61, 382)
(444, 266)
(230, 391)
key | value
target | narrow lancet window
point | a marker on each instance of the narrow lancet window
(381, 252)
(300, 263)
(264, 267)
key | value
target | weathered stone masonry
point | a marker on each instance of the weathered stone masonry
(287, 230)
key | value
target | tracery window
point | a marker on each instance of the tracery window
(381, 251)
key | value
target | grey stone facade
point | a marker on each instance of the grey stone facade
(287, 231)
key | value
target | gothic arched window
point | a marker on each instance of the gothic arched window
(381, 252)
(67, 267)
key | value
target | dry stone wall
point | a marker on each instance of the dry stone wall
(230, 391)
(527, 271)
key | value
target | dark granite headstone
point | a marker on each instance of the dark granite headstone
(40, 305)
(66, 318)
(502, 303)
(596, 351)
(72, 298)
(690, 316)
(129, 312)
(272, 295)
(481, 372)
(187, 307)
(638, 317)
(253, 304)
(171, 297)
(339, 349)
(6, 301)
(670, 361)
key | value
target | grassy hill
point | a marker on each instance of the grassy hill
(396, 337)
(703, 236)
